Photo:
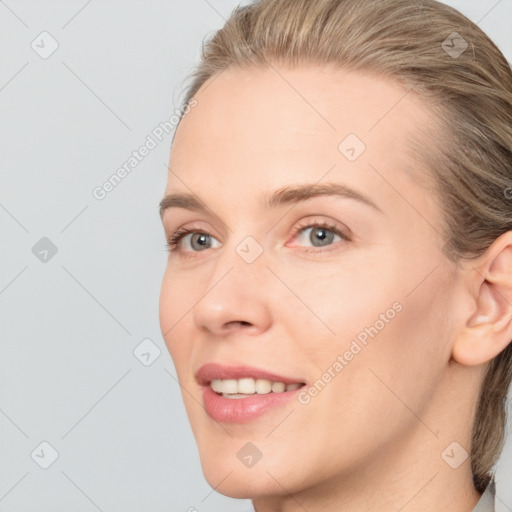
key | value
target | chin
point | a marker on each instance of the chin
(242, 483)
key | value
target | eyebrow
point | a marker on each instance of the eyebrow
(280, 197)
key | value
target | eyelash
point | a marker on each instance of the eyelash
(174, 240)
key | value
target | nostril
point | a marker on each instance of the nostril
(240, 322)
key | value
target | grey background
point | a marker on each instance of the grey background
(69, 325)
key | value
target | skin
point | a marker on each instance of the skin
(372, 439)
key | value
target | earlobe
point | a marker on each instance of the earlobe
(488, 330)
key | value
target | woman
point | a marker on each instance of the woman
(338, 294)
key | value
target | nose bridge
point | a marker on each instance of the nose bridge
(242, 265)
(243, 253)
(236, 290)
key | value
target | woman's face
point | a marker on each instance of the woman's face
(345, 294)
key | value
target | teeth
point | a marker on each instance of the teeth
(278, 387)
(263, 386)
(233, 388)
(216, 385)
(246, 386)
(229, 386)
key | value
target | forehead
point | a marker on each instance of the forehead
(263, 128)
(277, 109)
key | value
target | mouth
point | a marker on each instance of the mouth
(240, 394)
(244, 381)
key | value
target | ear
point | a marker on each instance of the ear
(488, 328)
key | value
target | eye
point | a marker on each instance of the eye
(319, 234)
(199, 241)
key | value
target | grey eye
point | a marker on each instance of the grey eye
(322, 235)
(318, 236)
(202, 241)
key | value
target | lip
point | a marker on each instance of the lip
(210, 371)
(241, 410)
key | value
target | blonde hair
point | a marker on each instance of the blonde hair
(469, 153)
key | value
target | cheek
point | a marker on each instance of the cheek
(178, 294)
(340, 299)
(376, 385)
(404, 359)
(388, 345)
(175, 297)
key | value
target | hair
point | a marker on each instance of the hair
(469, 151)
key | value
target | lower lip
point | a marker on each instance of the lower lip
(243, 410)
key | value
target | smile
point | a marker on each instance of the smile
(240, 394)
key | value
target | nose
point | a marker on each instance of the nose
(236, 296)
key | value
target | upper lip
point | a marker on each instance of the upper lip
(210, 371)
